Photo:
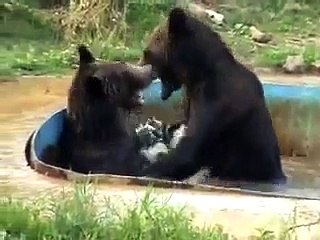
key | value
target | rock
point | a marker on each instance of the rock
(259, 36)
(200, 11)
(216, 17)
(294, 64)
(238, 26)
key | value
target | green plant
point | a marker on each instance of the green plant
(311, 54)
(264, 234)
(78, 215)
(34, 41)
(275, 56)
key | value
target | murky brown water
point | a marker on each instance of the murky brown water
(25, 104)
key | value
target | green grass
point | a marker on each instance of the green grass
(82, 214)
(31, 49)
(32, 57)
(78, 215)
(295, 29)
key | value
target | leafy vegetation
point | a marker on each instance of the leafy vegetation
(39, 41)
(77, 215)
(81, 213)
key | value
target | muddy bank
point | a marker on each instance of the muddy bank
(262, 72)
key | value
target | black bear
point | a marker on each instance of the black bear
(229, 127)
(97, 136)
(100, 99)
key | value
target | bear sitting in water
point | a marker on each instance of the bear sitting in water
(97, 136)
(229, 129)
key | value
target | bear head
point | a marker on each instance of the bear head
(119, 84)
(178, 48)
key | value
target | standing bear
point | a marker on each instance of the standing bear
(229, 126)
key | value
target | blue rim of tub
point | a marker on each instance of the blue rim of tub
(271, 90)
(49, 131)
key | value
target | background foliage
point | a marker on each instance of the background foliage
(39, 36)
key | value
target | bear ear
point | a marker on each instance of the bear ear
(177, 22)
(85, 56)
